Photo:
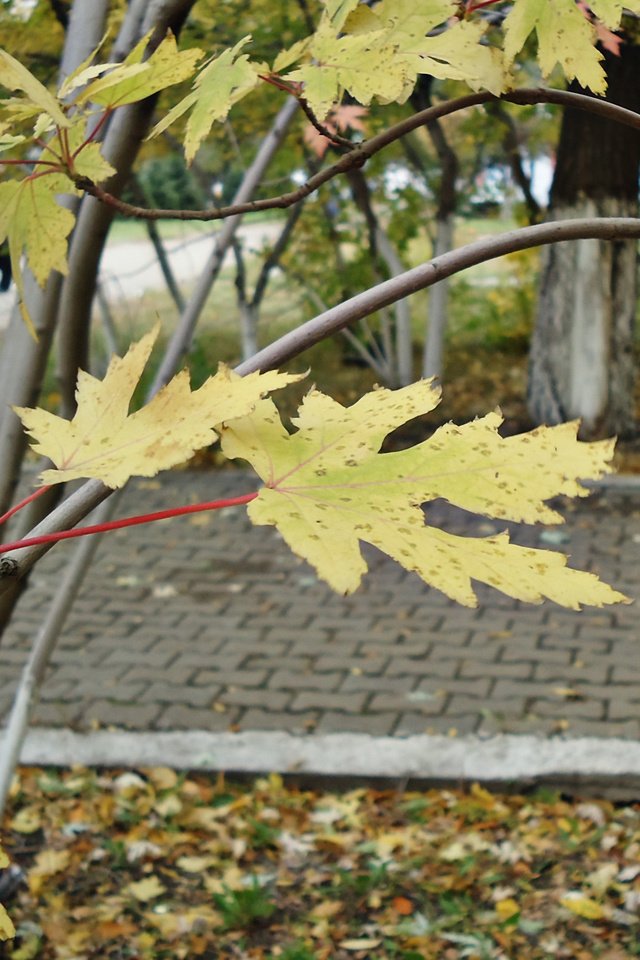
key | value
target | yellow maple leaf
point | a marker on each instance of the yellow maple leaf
(37, 877)
(15, 76)
(106, 442)
(610, 11)
(50, 862)
(26, 820)
(147, 889)
(338, 11)
(507, 908)
(7, 929)
(565, 37)
(194, 864)
(360, 943)
(459, 54)
(327, 488)
(90, 163)
(364, 64)
(35, 224)
(378, 53)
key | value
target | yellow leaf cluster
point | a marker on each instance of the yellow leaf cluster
(136, 78)
(327, 488)
(105, 441)
(378, 53)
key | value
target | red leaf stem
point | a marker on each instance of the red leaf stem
(23, 503)
(478, 6)
(128, 522)
(94, 133)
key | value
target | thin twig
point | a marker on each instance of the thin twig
(363, 152)
(324, 131)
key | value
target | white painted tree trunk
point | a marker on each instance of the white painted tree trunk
(437, 305)
(581, 362)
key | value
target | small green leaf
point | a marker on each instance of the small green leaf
(19, 110)
(90, 163)
(220, 84)
(7, 142)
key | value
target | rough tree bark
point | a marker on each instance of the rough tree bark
(581, 360)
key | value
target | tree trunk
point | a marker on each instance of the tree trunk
(123, 139)
(438, 297)
(183, 334)
(23, 361)
(397, 344)
(581, 360)
(438, 304)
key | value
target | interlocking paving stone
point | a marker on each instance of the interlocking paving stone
(206, 622)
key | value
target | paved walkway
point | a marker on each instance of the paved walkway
(208, 623)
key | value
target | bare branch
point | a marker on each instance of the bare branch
(364, 151)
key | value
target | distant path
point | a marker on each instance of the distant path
(130, 269)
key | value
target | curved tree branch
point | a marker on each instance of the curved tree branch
(364, 151)
(383, 294)
(93, 492)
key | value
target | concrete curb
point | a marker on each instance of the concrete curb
(606, 767)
